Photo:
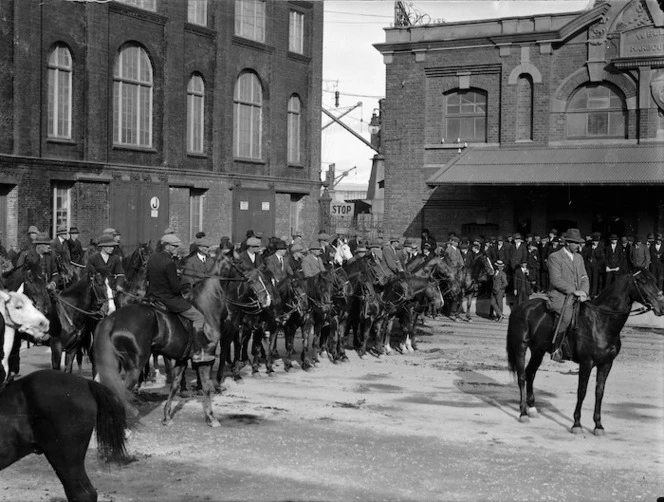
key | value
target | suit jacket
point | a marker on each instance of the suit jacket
(312, 265)
(163, 282)
(391, 261)
(75, 251)
(517, 256)
(499, 282)
(247, 264)
(614, 258)
(195, 270)
(641, 256)
(60, 249)
(111, 270)
(565, 277)
(279, 270)
(656, 265)
(327, 256)
(453, 257)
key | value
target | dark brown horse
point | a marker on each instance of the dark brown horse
(594, 340)
(54, 413)
(365, 306)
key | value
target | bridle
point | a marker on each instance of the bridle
(647, 306)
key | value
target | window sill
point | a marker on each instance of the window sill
(595, 141)
(296, 56)
(132, 148)
(197, 155)
(61, 141)
(456, 146)
(252, 44)
(200, 29)
(242, 160)
(296, 166)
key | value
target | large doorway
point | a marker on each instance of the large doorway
(253, 209)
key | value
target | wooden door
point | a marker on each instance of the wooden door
(253, 209)
(4, 191)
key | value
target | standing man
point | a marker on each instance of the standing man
(595, 262)
(75, 247)
(165, 287)
(522, 287)
(455, 260)
(568, 283)
(640, 254)
(498, 290)
(614, 260)
(656, 260)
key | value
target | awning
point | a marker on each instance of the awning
(568, 165)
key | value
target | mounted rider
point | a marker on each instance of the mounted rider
(250, 258)
(277, 263)
(164, 286)
(109, 265)
(568, 283)
(390, 259)
(312, 263)
(198, 265)
(60, 252)
(75, 247)
(327, 253)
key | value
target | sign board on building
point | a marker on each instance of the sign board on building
(265, 206)
(642, 42)
(244, 205)
(154, 207)
(342, 209)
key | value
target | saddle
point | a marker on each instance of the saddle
(157, 305)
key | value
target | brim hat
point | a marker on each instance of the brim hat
(33, 229)
(426, 246)
(394, 238)
(658, 237)
(323, 237)
(499, 263)
(361, 249)
(73, 230)
(573, 235)
(106, 240)
(169, 230)
(596, 236)
(203, 242)
(464, 245)
(61, 230)
(171, 239)
(454, 239)
(556, 239)
(280, 244)
(414, 245)
(297, 248)
(517, 236)
(315, 246)
(650, 236)
(254, 242)
(110, 231)
(408, 243)
(613, 237)
(42, 239)
(373, 244)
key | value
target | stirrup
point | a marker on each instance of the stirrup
(557, 355)
(202, 357)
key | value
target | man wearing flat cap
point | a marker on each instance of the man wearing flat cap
(165, 287)
(251, 258)
(295, 256)
(593, 255)
(568, 283)
(390, 258)
(109, 266)
(312, 264)
(327, 254)
(60, 252)
(640, 254)
(198, 265)
(277, 263)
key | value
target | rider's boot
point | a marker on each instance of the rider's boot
(202, 351)
(557, 354)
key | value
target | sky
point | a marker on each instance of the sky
(355, 68)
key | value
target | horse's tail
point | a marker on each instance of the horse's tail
(107, 362)
(111, 424)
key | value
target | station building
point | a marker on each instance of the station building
(144, 114)
(526, 123)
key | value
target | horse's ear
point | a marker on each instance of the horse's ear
(20, 288)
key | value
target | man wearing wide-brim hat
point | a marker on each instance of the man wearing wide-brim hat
(75, 247)
(657, 259)
(198, 265)
(164, 286)
(499, 285)
(568, 283)
(109, 265)
(42, 256)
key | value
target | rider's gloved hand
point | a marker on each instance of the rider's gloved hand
(581, 295)
(50, 286)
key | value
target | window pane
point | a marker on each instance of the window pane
(588, 120)
(617, 124)
(453, 129)
(576, 124)
(598, 124)
(133, 97)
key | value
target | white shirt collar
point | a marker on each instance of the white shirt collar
(569, 253)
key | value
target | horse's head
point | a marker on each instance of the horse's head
(259, 286)
(342, 286)
(433, 294)
(223, 265)
(342, 252)
(646, 292)
(323, 291)
(34, 287)
(20, 313)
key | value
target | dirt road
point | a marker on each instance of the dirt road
(437, 424)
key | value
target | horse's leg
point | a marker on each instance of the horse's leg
(69, 465)
(307, 334)
(238, 342)
(56, 353)
(208, 388)
(387, 336)
(531, 370)
(602, 374)
(585, 367)
(257, 349)
(178, 371)
(69, 361)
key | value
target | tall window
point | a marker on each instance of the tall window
(195, 114)
(296, 32)
(142, 4)
(248, 117)
(59, 92)
(294, 130)
(132, 98)
(250, 19)
(197, 12)
(61, 205)
(596, 110)
(465, 116)
(196, 198)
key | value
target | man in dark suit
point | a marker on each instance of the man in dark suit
(251, 258)
(327, 255)
(198, 265)
(277, 263)
(75, 246)
(568, 283)
(614, 260)
(518, 253)
(165, 286)
(657, 260)
(593, 255)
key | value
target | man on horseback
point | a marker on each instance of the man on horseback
(109, 265)
(164, 286)
(312, 264)
(568, 282)
(197, 265)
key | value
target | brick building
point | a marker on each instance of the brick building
(144, 114)
(527, 123)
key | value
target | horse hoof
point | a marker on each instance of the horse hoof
(524, 419)
(323, 353)
(219, 389)
(287, 368)
(577, 430)
(238, 380)
(388, 350)
(364, 357)
(167, 422)
(344, 359)
(255, 374)
(532, 412)
(599, 432)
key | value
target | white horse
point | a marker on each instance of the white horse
(342, 252)
(19, 314)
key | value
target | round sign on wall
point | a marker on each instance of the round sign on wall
(154, 202)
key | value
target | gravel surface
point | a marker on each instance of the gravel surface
(437, 424)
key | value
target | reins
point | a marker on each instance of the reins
(630, 312)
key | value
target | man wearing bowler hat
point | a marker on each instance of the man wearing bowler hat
(614, 261)
(568, 283)
(110, 267)
(75, 247)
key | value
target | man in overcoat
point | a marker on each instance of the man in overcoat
(277, 262)
(568, 282)
(198, 265)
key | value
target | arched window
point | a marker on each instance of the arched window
(59, 92)
(294, 130)
(195, 114)
(465, 116)
(248, 117)
(596, 110)
(132, 97)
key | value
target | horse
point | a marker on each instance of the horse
(471, 278)
(18, 313)
(54, 413)
(333, 334)
(126, 338)
(342, 252)
(135, 267)
(365, 305)
(296, 301)
(594, 339)
(78, 309)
